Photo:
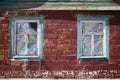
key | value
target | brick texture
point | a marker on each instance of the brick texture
(59, 57)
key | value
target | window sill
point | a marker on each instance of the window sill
(93, 58)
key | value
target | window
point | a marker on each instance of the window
(26, 38)
(92, 38)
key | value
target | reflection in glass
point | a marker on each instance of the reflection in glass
(100, 27)
(87, 39)
(98, 45)
(27, 27)
(26, 38)
(20, 44)
(32, 44)
(86, 50)
(92, 27)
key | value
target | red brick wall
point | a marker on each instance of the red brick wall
(59, 57)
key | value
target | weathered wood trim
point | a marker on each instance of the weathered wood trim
(60, 6)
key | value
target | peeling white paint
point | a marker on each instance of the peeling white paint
(61, 74)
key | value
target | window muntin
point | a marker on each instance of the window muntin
(92, 36)
(26, 38)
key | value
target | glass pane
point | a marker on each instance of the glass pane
(92, 27)
(32, 45)
(100, 27)
(98, 45)
(33, 27)
(86, 45)
(27, 27)
(86, 50)
(87, 39)
(20, 45)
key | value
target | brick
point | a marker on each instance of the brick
(71, 36)
(58, 41)
(18, 68)
(61, 57)
(22, 13)
(61, 46)
(90, 68)
(57, 21)
(67, 52)
(16, 63)
(4, 21)
(48, 21)
(2, 62)
(58, 67)
(37, 68)
(47, 30)
(31, 68)
(58, 31)
(115, 57)
(1, 68)
(63, 62)
(2, 57)
(56, 51)
(12, 13)
(74, 42)
(50, 36)
(67, 41)
(32, 13)
(50, 46)
(64, 57)
(52, 57)
(2, 52)
(7, 58)
(76, 67)
(62, 36)
(48, 41)
(47, 51)
(34, 63)
(8, 63)
(47, 67)
(5, 29)
(71, 57)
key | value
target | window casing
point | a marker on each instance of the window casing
(92, 38)
(26, 38)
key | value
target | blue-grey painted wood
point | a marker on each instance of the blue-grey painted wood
(12, 37)
(78, 38)
(41, 37)
(107, 37)
(79, 33)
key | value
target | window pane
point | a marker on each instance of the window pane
(26, 27)
(87, 39)
(99, 27)
(86, 50)
(33, 27)
(98, 45)
(32, 45)
(20, 45)
(92, 27)
(86, 45)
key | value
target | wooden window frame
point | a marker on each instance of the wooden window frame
(39, 33)
(105, 38)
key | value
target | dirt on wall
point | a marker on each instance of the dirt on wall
(59, 57)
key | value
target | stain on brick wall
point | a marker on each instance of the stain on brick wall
(59, 57)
